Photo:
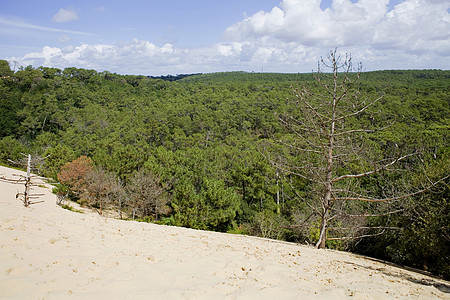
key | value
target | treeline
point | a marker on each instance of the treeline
(190, 152)
(172, 77)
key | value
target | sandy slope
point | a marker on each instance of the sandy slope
(47, 252)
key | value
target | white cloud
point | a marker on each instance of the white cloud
(135, 56)
(65, 15)
(10, 25)
(64, 38)
(46, 56)
(289, 38)
(144, 57)
(413, 25)
(229, 49)
(303, 21)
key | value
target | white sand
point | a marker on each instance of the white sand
(47, 252)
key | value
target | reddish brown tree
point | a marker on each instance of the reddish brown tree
(97, 187)
(73, 174)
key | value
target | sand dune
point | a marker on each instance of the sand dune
(47, 252)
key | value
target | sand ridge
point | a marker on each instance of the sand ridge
(47, 252)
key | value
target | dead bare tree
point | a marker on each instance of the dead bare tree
(27, 180)
(102, 189)
(146, 193)
(329, 136)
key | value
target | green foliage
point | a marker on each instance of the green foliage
(61, 189)
(68, 207)
(222, 204)
(10, 149)
(201, 135)
(10, 103)
(5, 70)
(268, 224)
(241, 229)
(424, 241)
(56, 157)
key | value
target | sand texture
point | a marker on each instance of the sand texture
(47, 252)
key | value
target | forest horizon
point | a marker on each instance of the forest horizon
(191, 150)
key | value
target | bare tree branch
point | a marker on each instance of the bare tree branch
(364, 227)
(361, 110)
(394, 198)
(368, 215)
(376, 170)
(297, 148)
(363, 130)
(355, 237)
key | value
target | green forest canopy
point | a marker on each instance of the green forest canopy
(200, 139)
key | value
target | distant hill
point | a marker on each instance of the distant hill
(173, 77)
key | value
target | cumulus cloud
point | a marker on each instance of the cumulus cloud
(303, 21)
(416, 26)
(143, 57)
(135, 56)
(65, 15)
(289, 38)
(413, 25)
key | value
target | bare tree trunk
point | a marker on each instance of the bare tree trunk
(323, 229)
(26, 199)
(278, 193)
(326, 200)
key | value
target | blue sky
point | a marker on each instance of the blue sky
(180, 36)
